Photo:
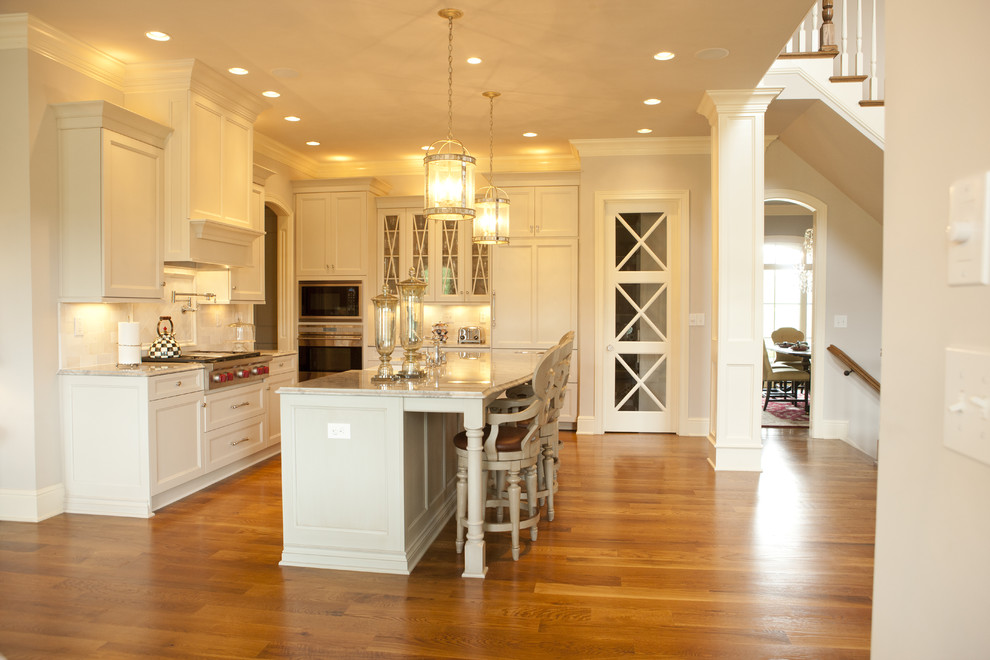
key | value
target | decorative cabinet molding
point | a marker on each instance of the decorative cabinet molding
(333, 220)
(209, 159)
(543, 211)
(439, 252)
(111, 181)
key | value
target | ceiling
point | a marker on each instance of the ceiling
(371, 75)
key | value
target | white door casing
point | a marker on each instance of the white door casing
(640, 355)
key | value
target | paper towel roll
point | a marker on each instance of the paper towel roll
(129, 334)
(128, 354)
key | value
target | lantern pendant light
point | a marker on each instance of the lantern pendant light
(449, 166)
(491, 224)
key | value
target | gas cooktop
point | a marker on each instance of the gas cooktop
(206, 356)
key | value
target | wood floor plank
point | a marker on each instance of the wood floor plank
(651, 553)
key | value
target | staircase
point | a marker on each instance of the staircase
(836, 56)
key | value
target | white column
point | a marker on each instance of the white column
(736, 119)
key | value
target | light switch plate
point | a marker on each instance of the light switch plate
(966, 426)
(696, 319)
(339, 431)
(841, 321)
(969, 239)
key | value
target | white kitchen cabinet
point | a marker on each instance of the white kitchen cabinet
(176, 434)
(332, 234)
(240, 285)
(134, 442)
(535, 292)
(440, 252)
(542, 211)
(284, 373)
(111, 180)
(210, 159)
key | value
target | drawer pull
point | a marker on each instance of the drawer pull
(234, 406)
(234, 443)
(178, 383)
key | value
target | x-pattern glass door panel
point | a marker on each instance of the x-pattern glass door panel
(450, 256)
(391, 251)
(637, 313)
(420, 248)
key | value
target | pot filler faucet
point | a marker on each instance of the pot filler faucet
(188, 304)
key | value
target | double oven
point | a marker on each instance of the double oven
(331, 330)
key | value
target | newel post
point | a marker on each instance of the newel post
(827, 41)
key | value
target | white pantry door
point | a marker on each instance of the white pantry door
(638, 316)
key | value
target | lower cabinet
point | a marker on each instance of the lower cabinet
(134, 443)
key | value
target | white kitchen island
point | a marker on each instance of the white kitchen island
(369, 470)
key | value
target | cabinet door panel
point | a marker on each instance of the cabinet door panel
(248, 284)
(512, 316)
(132, 194)
(312, 227)
(521, 211)
(236, 163)
(556, 211)
(555, 286)
(350, 239)
(177, 441)
(205, 162)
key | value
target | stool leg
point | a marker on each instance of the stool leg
(461, 505)
(531, 496)
(514, 500)
(499, 488)
(548, 478)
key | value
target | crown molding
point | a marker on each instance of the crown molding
(277, 151)
(26, 31)
(663, 146)
(193, 75)
(736, 101)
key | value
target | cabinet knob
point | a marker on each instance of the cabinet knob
(162, 284)
(178, 383)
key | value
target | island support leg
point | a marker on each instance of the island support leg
(474, 549)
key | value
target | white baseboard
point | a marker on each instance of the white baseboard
(832, 429)
(585, 425)
(734, 458)
(695, 426)
(32, 505)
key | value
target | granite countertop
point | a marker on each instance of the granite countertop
(478, 375)
(143, 370)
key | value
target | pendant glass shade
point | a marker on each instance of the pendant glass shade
(449, 181)
(491, 221)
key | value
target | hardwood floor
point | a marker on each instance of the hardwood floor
(651, 553)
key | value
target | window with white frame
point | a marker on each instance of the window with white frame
(786, 285)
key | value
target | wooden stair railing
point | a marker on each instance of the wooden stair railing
(853, 367)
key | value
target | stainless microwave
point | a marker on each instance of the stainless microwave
(330, 301)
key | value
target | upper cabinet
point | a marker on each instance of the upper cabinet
(111, 180)
(209, 160)
(542, 211)
(333, 222)
(440, 252)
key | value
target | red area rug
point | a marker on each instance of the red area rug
(782, 413)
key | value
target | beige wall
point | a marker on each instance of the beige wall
(854, 243)
(932, 576)
(642, 173)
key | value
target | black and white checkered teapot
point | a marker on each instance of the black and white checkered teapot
(166, 345)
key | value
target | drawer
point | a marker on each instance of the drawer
(284, 364)
(233, 405)
(173, 384)
(236, 441)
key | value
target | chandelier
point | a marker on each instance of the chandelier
(491, 224)
(805, 273)
(449, 166)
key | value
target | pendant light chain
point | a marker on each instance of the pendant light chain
(491, 140)
(450, 77)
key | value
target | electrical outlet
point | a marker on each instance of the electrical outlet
(77, 326)
(966, 416)
(339, 431)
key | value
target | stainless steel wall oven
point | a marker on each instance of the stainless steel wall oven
(325, 349)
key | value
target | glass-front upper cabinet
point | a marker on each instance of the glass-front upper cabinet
(439, 252)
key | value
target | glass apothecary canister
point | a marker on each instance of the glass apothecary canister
(411, 329)
(386, 311)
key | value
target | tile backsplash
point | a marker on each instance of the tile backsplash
(88, 331)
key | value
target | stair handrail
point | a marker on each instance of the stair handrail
(818, 36)
(854, 367)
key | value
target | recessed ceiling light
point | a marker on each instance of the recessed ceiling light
(663, 56)
(313, 143)
(474, 60)
(271, 94)
(645, 130)
(426, 148)
(238, 71)
(529, 134)
(652, 101)
(157, 36)
(712, 54)
(291, 118)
